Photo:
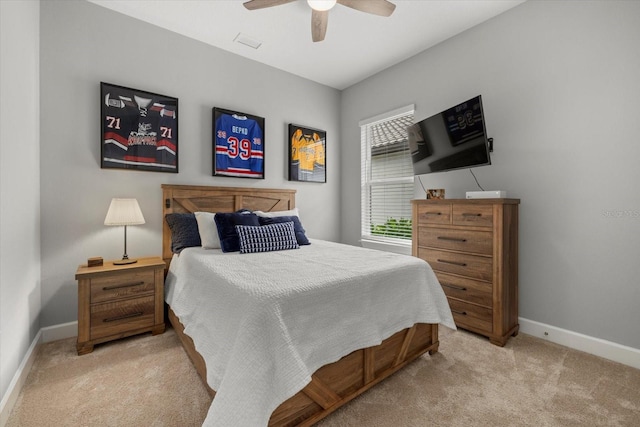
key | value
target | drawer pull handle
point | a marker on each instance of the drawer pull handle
(444, 261)
(126, 285)
(124, 316)
(452, 239)
(433, 213)
(459, 288)
(463, 313)
(471, 214)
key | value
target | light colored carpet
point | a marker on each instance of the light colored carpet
(149, 381)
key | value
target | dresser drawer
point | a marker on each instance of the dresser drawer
(474, 266)
(434, 214)
(122, 285)
(478, 215)
(465, 289)
(471, 316)
(113, 318)
(480, 242)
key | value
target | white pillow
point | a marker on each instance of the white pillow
(208, 230)
(273, 214)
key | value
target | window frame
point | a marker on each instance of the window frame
(367, 183)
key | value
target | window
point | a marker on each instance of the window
(387, 177)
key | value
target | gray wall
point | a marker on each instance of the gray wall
(559, 82)
(83, 44)
(19, 185)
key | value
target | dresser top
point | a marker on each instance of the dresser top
(501, 201)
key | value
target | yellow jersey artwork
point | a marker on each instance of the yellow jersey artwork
(307, 156)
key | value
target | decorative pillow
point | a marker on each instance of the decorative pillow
(184, 231)
(297, 226)
(272, 237)
(208, 230)
(226, 224)
(291, 212)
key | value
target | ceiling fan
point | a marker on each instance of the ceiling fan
(320, 10)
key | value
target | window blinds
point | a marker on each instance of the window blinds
(386, 176)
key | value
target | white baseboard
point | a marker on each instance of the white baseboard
(606, 349)
(48, 334)
(11, 396)
(59, 332)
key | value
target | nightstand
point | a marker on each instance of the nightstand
(116, 301)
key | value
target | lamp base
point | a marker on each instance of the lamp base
(125, 261)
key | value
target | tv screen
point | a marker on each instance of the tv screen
(453, 139)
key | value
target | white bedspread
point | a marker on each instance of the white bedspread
(265, 322)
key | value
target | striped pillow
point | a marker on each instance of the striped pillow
(272, 237)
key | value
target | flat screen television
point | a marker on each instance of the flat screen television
(453, 139)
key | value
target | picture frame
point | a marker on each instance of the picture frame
(435, 193)
(139, 129)
(307, 154)
(238, 144)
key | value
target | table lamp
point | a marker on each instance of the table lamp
(124, 212)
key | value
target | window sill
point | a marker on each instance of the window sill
(395, 247)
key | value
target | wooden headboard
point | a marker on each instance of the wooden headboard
(194, 198)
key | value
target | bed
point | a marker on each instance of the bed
(279, 367)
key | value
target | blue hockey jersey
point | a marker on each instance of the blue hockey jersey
(239, 147)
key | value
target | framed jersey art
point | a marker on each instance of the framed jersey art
(307, 160)
(238, 144)
(139, 129)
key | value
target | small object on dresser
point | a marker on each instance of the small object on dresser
(435, 193)
(486, 194)
(95, 261)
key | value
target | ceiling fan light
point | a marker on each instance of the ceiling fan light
(321, 5)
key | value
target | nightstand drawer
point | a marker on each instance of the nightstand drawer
(480, 242)
(474, 266)
(471, 316)
(122, 285)
(467, 290)
(116, 317)
(434, 214)
(478, 215)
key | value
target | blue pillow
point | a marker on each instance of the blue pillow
(272, 237)
(184, 231)
(297, 226)
(226, 224)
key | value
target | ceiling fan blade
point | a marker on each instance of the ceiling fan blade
(319, 22)
(376, 7)
(261, 4)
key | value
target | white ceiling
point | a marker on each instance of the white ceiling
(357, 44)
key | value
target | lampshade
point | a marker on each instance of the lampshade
(124, 212)
(321, 5)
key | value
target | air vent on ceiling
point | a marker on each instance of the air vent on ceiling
(247, 41)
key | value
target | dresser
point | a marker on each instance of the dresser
(116, 301)
(472, 245)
